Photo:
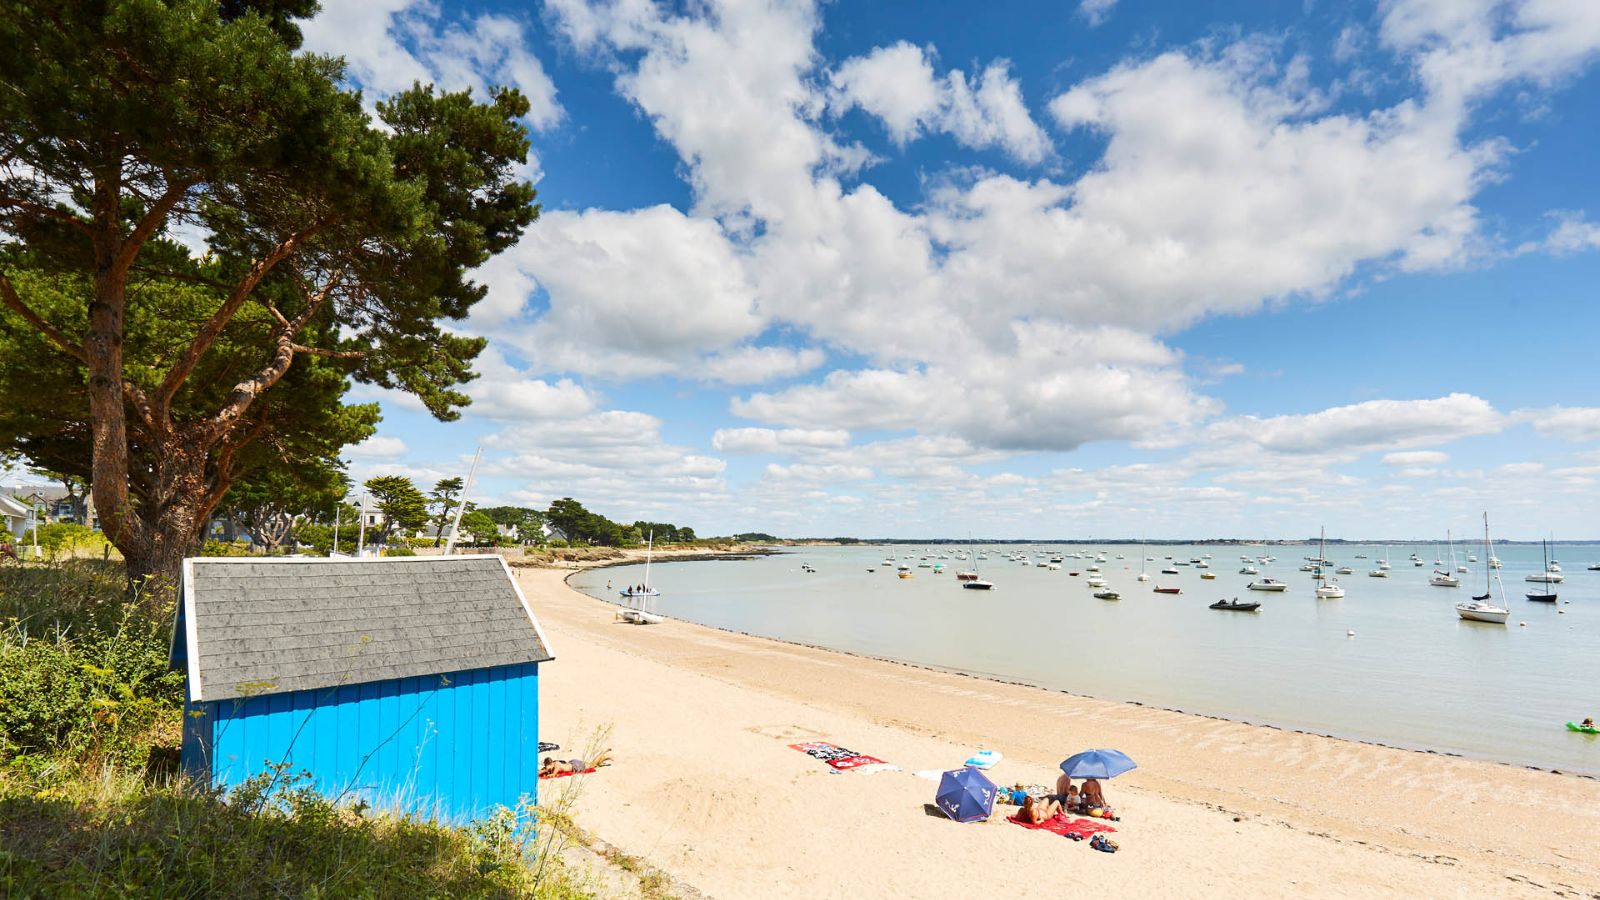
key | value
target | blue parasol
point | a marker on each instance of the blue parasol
(1097, 764)
(966, 795)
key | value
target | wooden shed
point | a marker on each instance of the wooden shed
(408, 682)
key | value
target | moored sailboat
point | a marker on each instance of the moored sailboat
(1482, 608)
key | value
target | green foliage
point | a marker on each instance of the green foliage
(64, 537)
(481, 528)
(270, 501)
(339, 248)
(225, 548)
(399, 550)
(319, 538)
(443, 496)
(528, 522)
(404, 508)
(84, 676)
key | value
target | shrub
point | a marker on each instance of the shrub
(59, 538)
(225, 548)
(398, 550)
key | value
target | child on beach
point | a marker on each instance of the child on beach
(553, 766)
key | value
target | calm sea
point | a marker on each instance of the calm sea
(1412, 675)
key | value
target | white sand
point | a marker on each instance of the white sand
(706, 788)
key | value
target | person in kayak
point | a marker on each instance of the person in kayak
(1588, 722)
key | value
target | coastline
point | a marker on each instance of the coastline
(701, 717)
(1014, 682)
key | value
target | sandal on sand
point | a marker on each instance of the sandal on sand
(1103, 844)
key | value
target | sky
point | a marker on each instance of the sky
(1031, 269)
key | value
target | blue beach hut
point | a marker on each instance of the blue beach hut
(409, 682)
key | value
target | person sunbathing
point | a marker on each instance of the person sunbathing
(1039, 810)
(553, 766)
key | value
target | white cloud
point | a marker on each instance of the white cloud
(756, 365)
(1096, 11)
(634, 293)
(390, 44)
(379, 447)
(898, 86)
(1566, 423)
(1413, 458)
(1572, 234)
(767, 440)
(815, 474)
(503, 392)
(1373, 425)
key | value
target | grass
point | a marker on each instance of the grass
(91, 804)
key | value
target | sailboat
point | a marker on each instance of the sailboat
(1482, 609)
(1551, 574)
(1382, 571)
(1143, 576)
(970, 580)
(1329, 589)
(1546, 595)
(641, 614)
(1442, 577)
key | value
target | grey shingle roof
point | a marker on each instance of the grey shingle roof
(272, 626)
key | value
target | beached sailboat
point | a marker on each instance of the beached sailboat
(1546, 595)
(641, 614)
(1482, 608)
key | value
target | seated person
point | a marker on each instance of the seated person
(1090, 796)
(553, 766)
(1064, 788)
(1588, 722)
(1038, 810)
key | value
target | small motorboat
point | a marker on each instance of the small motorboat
(1107, 595)
(1236, 605)
(1169, 590)
(1267, 584)
(1208, 576)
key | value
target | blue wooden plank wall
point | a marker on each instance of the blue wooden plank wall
(453, 745)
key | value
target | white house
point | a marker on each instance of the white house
(17, 515)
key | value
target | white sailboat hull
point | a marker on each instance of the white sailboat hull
(1476, 613)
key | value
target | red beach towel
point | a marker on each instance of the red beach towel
(566, 774)
(1080, 828)
(837, 757)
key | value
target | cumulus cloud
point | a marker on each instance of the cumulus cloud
(1567, 423)
(1373, 425)
(757, 365)
(391, 44)
(897, 85)
(1413, 458)
(504, 392)
(1465, 51)
(379, 447)
(768, 440)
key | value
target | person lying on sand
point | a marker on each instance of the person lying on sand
(553, 766)
(1038, 810)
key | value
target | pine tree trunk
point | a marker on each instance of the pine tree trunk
(172, 520)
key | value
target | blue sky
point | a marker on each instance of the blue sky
(1030, 269)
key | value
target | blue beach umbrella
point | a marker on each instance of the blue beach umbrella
(1097, 764)
(966, 795)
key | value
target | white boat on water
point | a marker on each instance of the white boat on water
(1327, 588)
(1482, 608)
(1442, 577)
(1267, 584)
(1249, 570)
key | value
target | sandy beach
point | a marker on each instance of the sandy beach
(707, 789)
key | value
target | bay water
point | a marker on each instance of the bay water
(1412, 675)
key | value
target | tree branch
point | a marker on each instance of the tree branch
(48, 212)
(329, 354)
(151, 222)
(208, 335)
(8, 295)
(246, 392)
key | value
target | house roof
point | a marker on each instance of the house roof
(263, 626)
(13, 508)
